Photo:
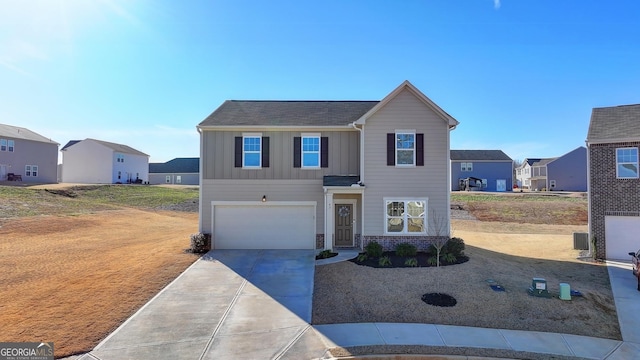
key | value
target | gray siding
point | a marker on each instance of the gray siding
(569, 171)
(253, 190)
(490, 170)
(404, 112)
(161, 178)
(218, 148)
(27, 152)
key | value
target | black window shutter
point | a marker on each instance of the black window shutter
(297, 152)
(265, 151)
(419, 149)
(238, 151)
(391, 149)
(324, 152)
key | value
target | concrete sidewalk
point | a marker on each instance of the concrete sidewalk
(256, 304)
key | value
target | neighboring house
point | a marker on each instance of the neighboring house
(565, 173)
(326, 174)
(614, 183)
(181, 171)
(27, 156)
(492, 168)
(92, 161)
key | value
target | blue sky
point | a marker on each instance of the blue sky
(521, 76)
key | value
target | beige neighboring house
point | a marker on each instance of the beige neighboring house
(27, 156)
(92, 161)
(326, 174)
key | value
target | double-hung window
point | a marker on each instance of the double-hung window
(120, 158)
(310, 150)
(3, 144)
(405, 216)
(466, 166)
(405, 148)
(252, 151)
(627, 163)
(11, 145)
(31, 170)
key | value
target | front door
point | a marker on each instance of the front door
(3, 172)
(344, 225)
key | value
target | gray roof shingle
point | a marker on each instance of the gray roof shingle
(16, 132)
(113, 146)
(176, 166)
(479, 155)
(287, 113)
(616, 123)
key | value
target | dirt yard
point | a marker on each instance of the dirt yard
(74, 279)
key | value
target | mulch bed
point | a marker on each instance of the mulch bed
(399, 261)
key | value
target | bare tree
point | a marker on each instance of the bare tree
(438, 228)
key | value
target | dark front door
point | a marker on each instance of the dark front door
(344, 225)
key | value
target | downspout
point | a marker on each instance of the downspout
(361, 130)
(200, 176)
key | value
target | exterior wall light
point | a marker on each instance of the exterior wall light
(264, 198)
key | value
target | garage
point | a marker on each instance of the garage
(621, 234)
(259, 225)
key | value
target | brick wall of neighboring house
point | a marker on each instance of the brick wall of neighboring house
(608, 194)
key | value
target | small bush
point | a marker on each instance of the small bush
(362, 257)
(432, 260)
(412, 262)
(384, 261)
(325, 254)
(455, 247)
(449, 258)
(373, 249)
(200, 243)
(406, 249)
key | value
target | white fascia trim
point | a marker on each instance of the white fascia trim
(612, 141)
(255, 128)
(343, 189)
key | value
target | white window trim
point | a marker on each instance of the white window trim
(29, 170)
(3, 142)
(619, 163)
(395, 145)
(302, 152)
(259, 152)
(11, 145)
(405, 200)
(178, 179)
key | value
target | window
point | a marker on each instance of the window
(119, 175)
(167, 179)
(178, 179)
(251, 150)
(405, 149)
(406, 216)
(484, 183)
(31, 170)
(627, 163)
(3, 144)
(11, 145)
(120, 158)
(466, 166)
(552, 183)
(526, 171)
(310, 151)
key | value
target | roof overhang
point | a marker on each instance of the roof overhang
(612, 141)
(346, 127)
(344, 189)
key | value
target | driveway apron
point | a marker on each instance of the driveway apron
(230, 304)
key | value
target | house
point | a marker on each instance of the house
(614, 183)
(564, 173)
(492, 169)
(27, 156)
(325, 174)
(181, 171)
(92, 161)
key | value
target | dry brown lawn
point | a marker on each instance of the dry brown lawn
(74, 279)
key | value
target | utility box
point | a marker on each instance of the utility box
(580, 241)
(539, 288)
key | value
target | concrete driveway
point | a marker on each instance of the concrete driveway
(231, 304)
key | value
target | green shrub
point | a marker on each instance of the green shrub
(432, 260)
(449, 258)
(406, 249)
(384, 261)
(412, 262)
(431, 251)
(362, 257)
(373, 249)
(455, 247)
(325, 254)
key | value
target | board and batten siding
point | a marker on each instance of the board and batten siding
(254, 190)
(405, 112)
(219, 155)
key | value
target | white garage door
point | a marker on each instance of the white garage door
(273, 225)
(622, 234)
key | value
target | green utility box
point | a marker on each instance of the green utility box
(539, 288)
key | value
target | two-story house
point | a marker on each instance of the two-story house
(178, 171)
(27, 156)
(325, 174)
(92, 161)
(563, 173)
(492, 169)
(614, 180)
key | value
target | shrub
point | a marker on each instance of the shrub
(324, 254)
(384, 261)
(449, 258)
(412, 262)
(432, 260)
(455, 247)
(362, 257)
(200, 243)
(406, 249)
(373, 249)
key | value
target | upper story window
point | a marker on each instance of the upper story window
(120, 158)
(251, 151)
(406, 216)
(466, 166)
(3, 144)
(310, 150)
(405, 148)
(627, 163)
(11, 145)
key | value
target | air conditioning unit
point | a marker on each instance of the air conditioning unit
(580, 241)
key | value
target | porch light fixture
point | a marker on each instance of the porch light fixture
(264, 198)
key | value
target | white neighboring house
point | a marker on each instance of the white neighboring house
(92, 161)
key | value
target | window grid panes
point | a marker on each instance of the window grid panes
(311, 151)
(627, 163)
(251, 147)
(3, 144)
(406, 217)
(27, 170)
(405, 148)
(11, 145)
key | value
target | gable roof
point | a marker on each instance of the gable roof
(542, 162)
(479, 155)
(614, 124)
(16, 132)
(177, 165)
(452, 123)
(287, 113)
(113, 146)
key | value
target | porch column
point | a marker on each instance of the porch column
(328, 220)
